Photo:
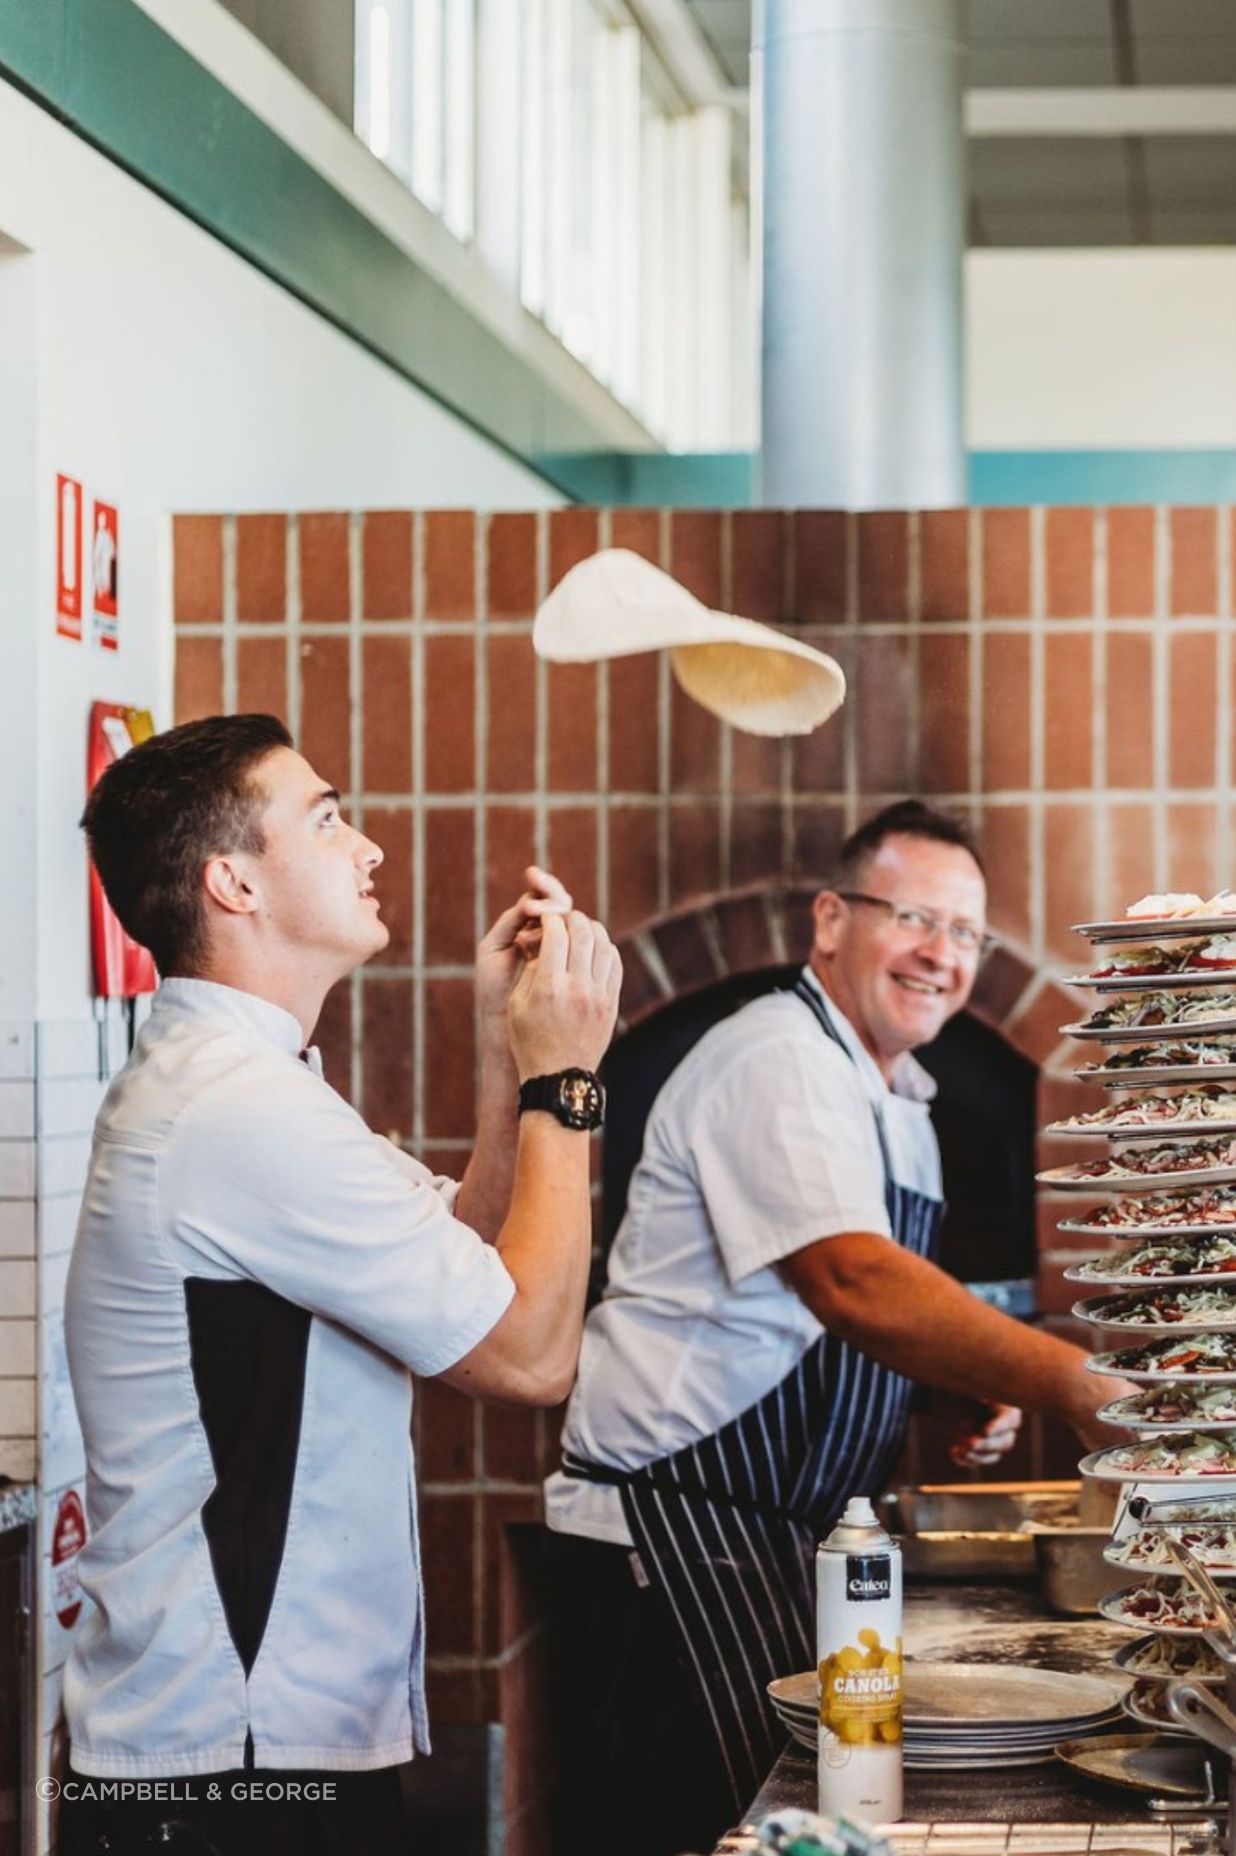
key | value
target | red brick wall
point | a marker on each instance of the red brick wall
(1065, 675)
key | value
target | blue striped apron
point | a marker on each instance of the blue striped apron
(727, 1527)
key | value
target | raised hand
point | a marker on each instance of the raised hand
(562, 1007)
(514, 935)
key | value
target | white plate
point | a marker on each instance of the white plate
(1157, 928)
(1093, 1306)
(1098, 1467)
(1149, 1034)
(1057, 1178)
(1126, 1659)
(1156, 982)
(1154, 1076)
(1164, 1132)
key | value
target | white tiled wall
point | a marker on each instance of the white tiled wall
(18, 1292)
(52, 1078)
(73, 1060)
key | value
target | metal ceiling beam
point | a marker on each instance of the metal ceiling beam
(1142, 109)
(680, 46)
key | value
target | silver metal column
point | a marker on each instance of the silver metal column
(864, 204)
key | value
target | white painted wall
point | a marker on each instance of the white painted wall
(171, 376)
(1101, 350)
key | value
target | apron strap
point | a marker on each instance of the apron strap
(810, 997)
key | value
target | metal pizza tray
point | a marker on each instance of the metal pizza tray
(1152, 928)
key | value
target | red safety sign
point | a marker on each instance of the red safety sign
(68, 1539)
(68, 557)
(122, 969)
(105, 572)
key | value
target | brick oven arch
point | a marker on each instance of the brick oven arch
(719, 937)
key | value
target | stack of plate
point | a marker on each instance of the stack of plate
(961, 1715)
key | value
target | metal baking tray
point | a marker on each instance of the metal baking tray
(970, 1530)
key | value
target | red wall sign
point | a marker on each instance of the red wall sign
(68, 1539)
(122, 969)
(68, 557)
(105, 573)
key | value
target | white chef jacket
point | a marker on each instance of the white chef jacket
(762, 1141)
(220, 1159)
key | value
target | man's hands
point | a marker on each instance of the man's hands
(984, 1434)
(547, 979)
(562, 1007)
(514, 935)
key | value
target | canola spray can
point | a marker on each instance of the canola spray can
(858, 1650)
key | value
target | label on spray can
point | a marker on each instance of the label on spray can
(860, 1669)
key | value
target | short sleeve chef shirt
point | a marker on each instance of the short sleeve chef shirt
(762, 1141)
(221, 1161)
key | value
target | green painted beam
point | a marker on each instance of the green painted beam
(108, 71)
(727, 479)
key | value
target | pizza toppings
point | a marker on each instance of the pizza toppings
(1219, 951)
(1184, 1453)
(1164, 1212)
(1183, 1053)
(1193, 1356)
(1165, 1308)
(1152, 1009)
(1211, 1257)
(1165, 908)
(1143, 959)
(1164, 1657)
(1149, 1162)
(1214, 1546)
(1167, 1604)
(1175, 1405)
(1187, 1107)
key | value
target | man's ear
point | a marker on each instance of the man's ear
(227, 886)
(828, 912)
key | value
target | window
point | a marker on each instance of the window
(611, 205)
(416, 98)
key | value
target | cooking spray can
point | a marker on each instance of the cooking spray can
(858, 1648)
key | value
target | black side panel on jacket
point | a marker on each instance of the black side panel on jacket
(248, 1349)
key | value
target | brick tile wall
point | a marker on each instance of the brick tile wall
(1064, 676)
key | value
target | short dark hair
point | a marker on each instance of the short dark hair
(157, 815)
(907, 818)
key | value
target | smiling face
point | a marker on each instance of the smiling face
(899, 988)
(314, 880)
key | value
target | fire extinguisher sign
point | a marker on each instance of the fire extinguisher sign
(68, 557)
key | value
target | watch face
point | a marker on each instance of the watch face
(581, 1100)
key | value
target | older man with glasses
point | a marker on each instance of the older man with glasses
(771, 1297)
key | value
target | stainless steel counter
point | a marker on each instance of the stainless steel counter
(990, 1812)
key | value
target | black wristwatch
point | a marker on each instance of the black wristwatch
(574, 1096)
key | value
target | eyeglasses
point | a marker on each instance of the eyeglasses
(922, 924)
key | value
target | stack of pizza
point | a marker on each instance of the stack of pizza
(1163, 1292)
